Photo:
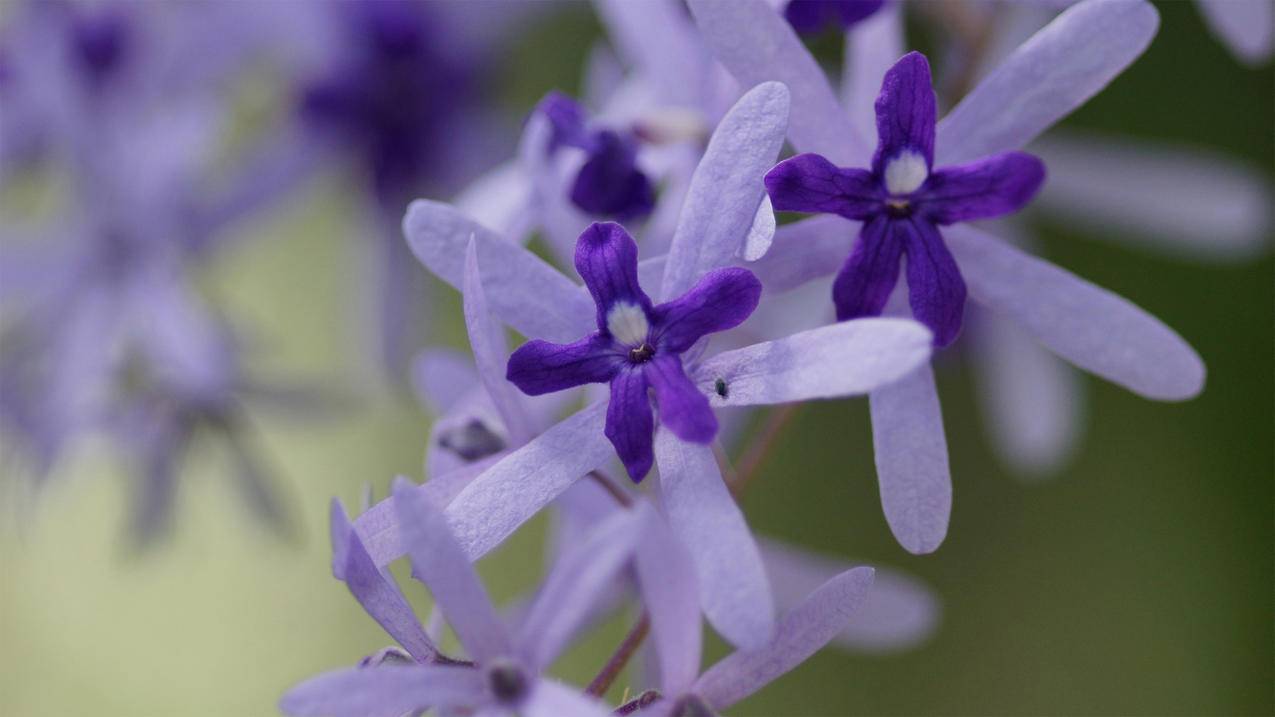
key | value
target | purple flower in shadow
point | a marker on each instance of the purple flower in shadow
(609, 182)
(811, 16)
(902, 200)
(638, 346)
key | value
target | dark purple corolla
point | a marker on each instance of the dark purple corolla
(902, 200)
(609, 183)
(638, 346)
(810, 16)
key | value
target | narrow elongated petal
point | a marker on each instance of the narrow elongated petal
(683, 409)
(630, 423)
(900, 611)
(936, 290)
(872, 47)
(905, 112)
(989, 187)
(551, 699)
(869, 274)
(379, 527)
(1244, 25)
(1087, 325)
(539, 367)
(506, 495)
(524, 291)
(375, 591)
(487, 340)
(387, 691)
(442, 377)
(810, 183)
(1032, 400)
(757, 45)
(666, 578)
(721, 300)
(911, 457)
(576, 582)
(805, 250)
(606, 257)
(843, 359)
(1070, 60)
(732, 582)
(726, 188)
(801, 633)
(1199, 204)
(656, 39)
(440, 563)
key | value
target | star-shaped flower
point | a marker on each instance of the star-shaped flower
(902, 200)
(1055, 71)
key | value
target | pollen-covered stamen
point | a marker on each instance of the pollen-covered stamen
(905, 173)
(628, 325)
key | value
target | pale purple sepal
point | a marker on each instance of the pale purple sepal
(376, 592)
(757, 45)
(552, 699)
(666, 578)
(1245, 26)
(534, 298)
(440, 563)
(1087, 325)
(379, 527)
(387, 691)
(800, 634)
(911, 457)
(842, 359)
(1187, 201)
(487, 340)
(726, 189)
(503, 497)
(1046, 78)
(901, 612)
(805, 250)
(656, 40)
(871, 48)
(734, 591)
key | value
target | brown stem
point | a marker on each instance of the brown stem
(620, 495)
(760, 448)
(615, 665)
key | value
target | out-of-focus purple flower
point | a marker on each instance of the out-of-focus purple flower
(505, 667)
(609, 182)
(1246, 27)
(717, 224)
(801, 632)
(810, 16)
(901, 202)
(1055, 71)
(637, 346)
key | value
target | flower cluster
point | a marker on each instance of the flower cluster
(629, 237)
(687, 322)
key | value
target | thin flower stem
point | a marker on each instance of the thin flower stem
(620, 495)
(615, 665)
(646, 699)
(759, 450)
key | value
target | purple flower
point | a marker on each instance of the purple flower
(811, 16)
(505, 667)
(638, 346)
(1244, 26)
(718, 223)
(609, 182)
(901, 203)
(1048, 76)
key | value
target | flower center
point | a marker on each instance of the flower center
(627, 324)
(507, 681)
(905, 173)
(641, 354)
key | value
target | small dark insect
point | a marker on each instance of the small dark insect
(720, 387)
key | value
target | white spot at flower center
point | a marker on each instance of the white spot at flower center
(905, 173)
(627, 323)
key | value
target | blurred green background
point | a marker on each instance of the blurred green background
(1140, 580)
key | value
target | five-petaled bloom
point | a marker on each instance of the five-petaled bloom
(902, 201)
(638, 346)
(609, 183)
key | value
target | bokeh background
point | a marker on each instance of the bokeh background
(1138, 580)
